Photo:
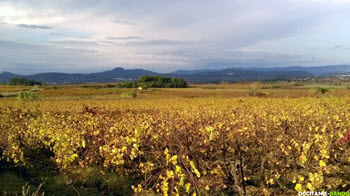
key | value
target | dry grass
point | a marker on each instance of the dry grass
(100, 91)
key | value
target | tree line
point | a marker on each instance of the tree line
(154, 82)
(23, 82)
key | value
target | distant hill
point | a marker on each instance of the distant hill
(116, 75)
(206, 75)
(260, 73)
(238, 74)
(189, 72)
(5, 76)
(316, 70)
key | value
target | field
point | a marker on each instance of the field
(209, 139)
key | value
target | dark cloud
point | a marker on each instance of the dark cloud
(34, 26)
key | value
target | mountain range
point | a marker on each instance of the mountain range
(206, 75)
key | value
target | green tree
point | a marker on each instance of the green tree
(155, 82)
(23, 82)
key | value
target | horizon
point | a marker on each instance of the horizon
(318, 66)
(165, 36)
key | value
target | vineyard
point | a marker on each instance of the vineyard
(179, 146)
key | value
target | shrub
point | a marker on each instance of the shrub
(35, 88)
(26, 191)
(275, 86)
(254, 91)
(320, 90)
(296, 84)
(337, 82)
(109, 86)
(27, 96)
(128, 95)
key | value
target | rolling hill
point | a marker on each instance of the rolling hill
(206, 75)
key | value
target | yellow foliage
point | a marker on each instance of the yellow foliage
(187, 145)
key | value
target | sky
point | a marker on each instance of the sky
(83, 36)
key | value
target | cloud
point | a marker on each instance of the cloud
(34, 26)
(123, 22)
(159, 42)
(341, 47)
(141, 42)
(82, 50)
(337, 47)
(74, 42)
(24, 58)
(125, 38)
(168, 35)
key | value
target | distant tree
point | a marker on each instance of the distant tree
(23, 82)
(154, 82)
(320, 90)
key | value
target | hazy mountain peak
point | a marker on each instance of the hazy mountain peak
(7, 73)
(118, 69)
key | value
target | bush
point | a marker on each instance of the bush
(254, 91)
(27, 96)
(26, 191)
(337, 82)
(109, 86)
(129, 95)
(275, 86)
(296, 84)
(320, 90)
(35, 88)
